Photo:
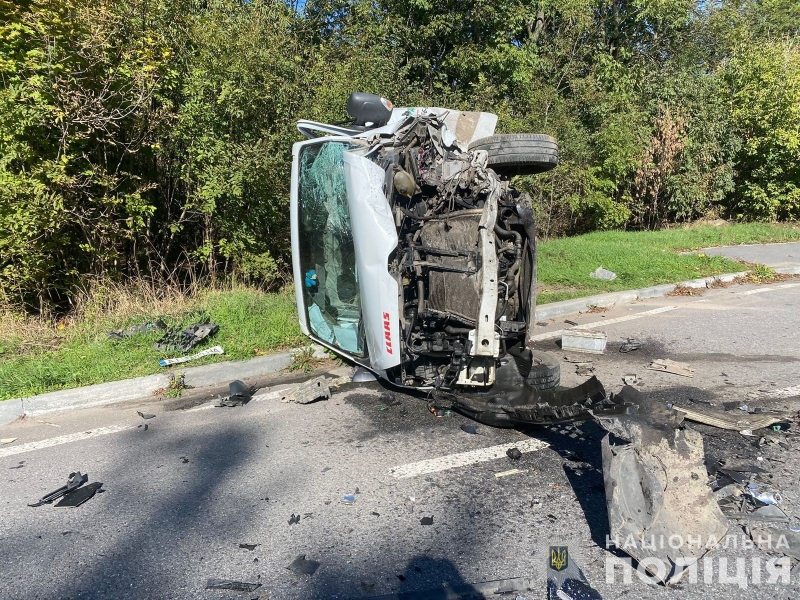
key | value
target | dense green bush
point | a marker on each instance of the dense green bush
(152, 137)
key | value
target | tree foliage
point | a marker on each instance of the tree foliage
(152, 137)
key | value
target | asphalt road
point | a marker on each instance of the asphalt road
(181, 496)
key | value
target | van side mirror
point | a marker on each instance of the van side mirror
(369, 110)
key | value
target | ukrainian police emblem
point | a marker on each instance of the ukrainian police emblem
(559, 557)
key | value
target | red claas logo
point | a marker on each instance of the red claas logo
(387, 332)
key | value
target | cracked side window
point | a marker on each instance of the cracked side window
(327, 256)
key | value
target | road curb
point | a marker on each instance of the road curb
(137, 388)
(568, 307)
(215, 373)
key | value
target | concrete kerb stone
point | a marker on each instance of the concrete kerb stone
(569, 307)
(134, 389)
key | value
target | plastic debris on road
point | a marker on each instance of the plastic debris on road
(666, 365)
(8, 440)
(426, 520)
(145, 415)
(471, 429)
(348, 499)
(605, 274)
(308, 392)
(238, 395)
(74, 481)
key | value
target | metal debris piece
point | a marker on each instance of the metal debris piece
(308, 392)
(79, 496)
(250, 547)
(565, 578)
(145, 415)
(649, 484)
(207, 352)
(301, 566)
(630, 345)
(601, 273)
(630, 379)
(733, 421)
(187, 339)
(471, 429)
(229, 584)
(426, 520)
(74, 481)
(670, 366)
(579, 340)
(514, 453)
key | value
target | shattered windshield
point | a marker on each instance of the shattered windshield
(327, 256)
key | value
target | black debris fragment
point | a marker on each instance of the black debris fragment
(426, 520)
(375, 514)
(238, 395)
(471, 429)
(80, 495)
(145, 415)
(569, 322)
(187, 339)
(514, 453)
(294, 519)
(74, 481)
(229, 584)
(19, 466)
(401, 577)
(184, 460)
(249, 546)
(134, 330)
(301, 566)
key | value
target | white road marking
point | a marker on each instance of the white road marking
(556, 334)
(462, 459)
(771, 288)
(62, 439)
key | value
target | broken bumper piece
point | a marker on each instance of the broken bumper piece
(509, 406)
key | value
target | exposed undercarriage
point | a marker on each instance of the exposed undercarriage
(464, 261)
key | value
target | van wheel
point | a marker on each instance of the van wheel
(519, 153)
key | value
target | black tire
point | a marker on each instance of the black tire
(545, 371)
(519, 153)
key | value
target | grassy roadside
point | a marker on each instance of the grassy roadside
(38, 356)
(643, 258)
